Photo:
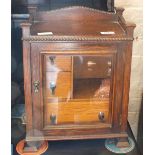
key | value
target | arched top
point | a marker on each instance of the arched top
(77, 13)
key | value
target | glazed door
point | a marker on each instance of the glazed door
(77, 90)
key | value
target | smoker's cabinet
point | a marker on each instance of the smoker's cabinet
(77, 64)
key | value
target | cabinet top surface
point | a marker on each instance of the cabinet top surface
(75, 28)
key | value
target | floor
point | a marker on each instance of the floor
(81, 147)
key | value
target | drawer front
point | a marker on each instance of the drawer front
(60, 63)
(75, 112)
(58, 84)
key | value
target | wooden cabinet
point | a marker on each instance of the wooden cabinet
(77, 75)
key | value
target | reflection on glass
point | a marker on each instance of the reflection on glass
(91, 77)
(77, 89)
(103, 91)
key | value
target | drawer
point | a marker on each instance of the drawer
(54, 63)
(75, 112)
(58, 84)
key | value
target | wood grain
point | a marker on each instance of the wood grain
(27, 86)
(62, 63)
(63, 84)
(76, 112)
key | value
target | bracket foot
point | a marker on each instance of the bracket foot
(120, 145)
(23, 149)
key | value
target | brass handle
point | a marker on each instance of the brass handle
(36, 86)
(53, 119)
(52, 58)
(52, 87)
(101, 116)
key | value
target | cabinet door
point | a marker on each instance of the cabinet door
(77, 89)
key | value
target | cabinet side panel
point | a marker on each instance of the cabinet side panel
(36, 95)
(125, 99)
(27, 85)
(118, 86)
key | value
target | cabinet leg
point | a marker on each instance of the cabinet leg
(122, 142)
(120, 145)
(31, 148)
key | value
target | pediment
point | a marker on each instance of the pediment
(75, 13)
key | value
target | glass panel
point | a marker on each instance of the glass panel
(91, 77)
(76, 89)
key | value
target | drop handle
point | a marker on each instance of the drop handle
(52, 87)
(101, 116)
(36, 86)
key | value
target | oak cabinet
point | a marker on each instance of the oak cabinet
(77, 65)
